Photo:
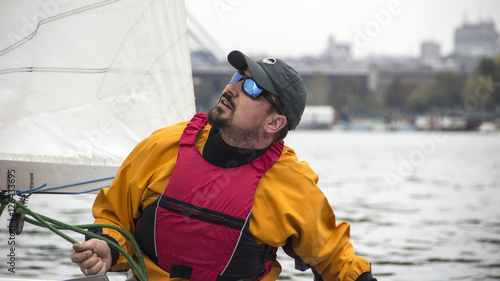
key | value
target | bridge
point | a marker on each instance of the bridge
(211, 72)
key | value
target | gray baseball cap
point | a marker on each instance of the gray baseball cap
(278, 78)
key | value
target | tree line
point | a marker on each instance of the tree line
(447, 90)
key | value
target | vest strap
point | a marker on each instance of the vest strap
(200, 213)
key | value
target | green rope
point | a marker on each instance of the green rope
(4, 201)
(54, 226)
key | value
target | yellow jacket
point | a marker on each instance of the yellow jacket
(287, 204)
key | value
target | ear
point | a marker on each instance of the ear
(275, 124)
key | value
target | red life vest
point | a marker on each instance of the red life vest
(202, 217)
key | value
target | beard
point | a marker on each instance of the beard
(233, 134)
(214, 116)
(217, 121)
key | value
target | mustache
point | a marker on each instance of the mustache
(229, 99)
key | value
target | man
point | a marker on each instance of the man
(214, 202)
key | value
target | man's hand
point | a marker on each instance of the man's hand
(93, 256)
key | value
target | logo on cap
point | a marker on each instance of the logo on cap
(269, 60)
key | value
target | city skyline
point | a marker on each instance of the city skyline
(297, 28)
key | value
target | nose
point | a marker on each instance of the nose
(234, 89)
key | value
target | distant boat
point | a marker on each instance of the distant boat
(317, 117)
(488, 128)
(441, 121)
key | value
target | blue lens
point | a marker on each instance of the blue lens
(236, 77)
(251, 88)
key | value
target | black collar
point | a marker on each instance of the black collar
(217, 152)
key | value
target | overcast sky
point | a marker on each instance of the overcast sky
(372, 27)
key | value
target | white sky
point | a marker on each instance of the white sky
(301, 27)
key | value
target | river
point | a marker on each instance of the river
(422, 206)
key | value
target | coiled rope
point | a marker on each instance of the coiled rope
(55, 226)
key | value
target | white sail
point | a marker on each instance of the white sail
(82, 82)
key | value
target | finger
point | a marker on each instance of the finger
(82, 247)
(103, 269)
(92, 261)
(78, 257)
(96, 268)
(88, 245)
(84, 271)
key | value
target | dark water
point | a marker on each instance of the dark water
(422, 206)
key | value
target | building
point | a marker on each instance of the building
(337, 52)
(477, 40)
(474, 41)
(430, 53)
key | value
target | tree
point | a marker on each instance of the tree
(482, 90)
(446, 90)
(418, 100)
(397, 92)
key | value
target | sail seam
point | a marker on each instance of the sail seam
(54, 18)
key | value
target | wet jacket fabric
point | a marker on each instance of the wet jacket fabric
(288, 210)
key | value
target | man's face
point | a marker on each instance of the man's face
(238, 113)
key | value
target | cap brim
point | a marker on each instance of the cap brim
(241, 62)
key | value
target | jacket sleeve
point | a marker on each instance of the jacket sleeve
(138, 182)
(291, 211)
